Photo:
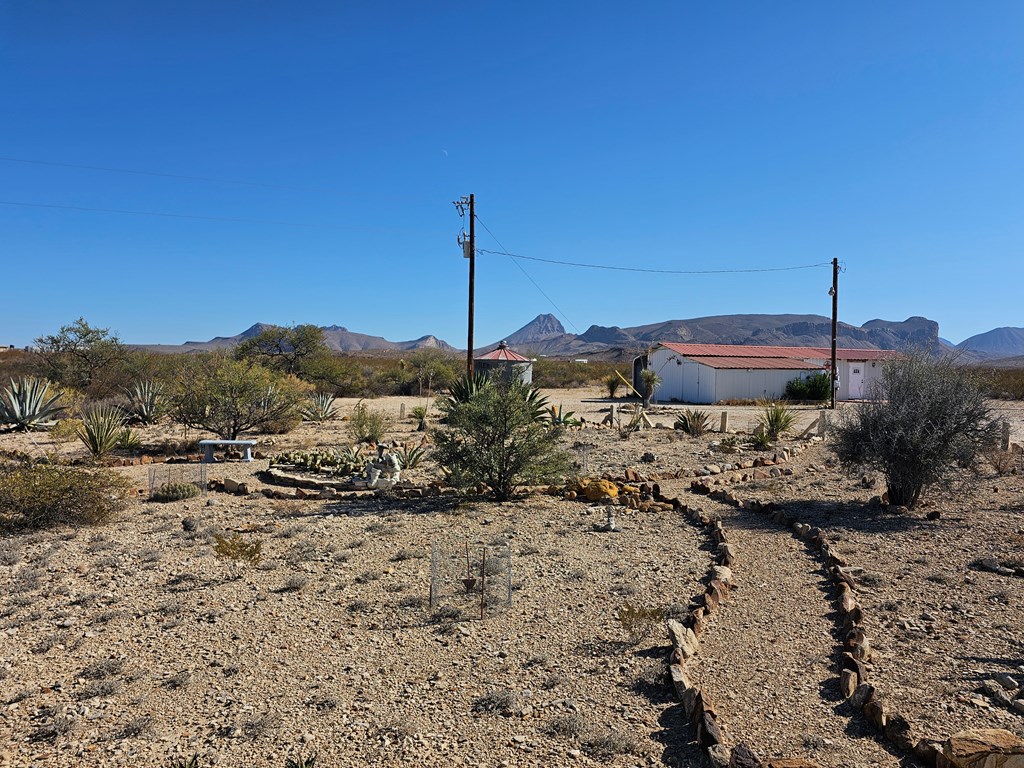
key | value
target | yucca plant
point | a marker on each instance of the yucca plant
(146, 402)
(612, 384)
(27, 405)
(419, 415)
(101, 429)
(129, 440)
(775, 418)
(319, 408)
(694, 422)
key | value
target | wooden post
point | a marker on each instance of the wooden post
(1005, 442)
(725, 422)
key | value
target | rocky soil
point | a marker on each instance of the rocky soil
(132, 643)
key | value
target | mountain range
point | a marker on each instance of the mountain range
(545, 335)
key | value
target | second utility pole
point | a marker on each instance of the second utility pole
(835, 321)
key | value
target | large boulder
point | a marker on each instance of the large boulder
(602, 489)
(984, 748)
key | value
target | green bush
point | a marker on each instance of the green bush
(922, 422)
(47, 495)
(497, 438)
(813, 389)
(368, 425)
(175, 492)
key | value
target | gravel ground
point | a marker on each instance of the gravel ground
(129, 643)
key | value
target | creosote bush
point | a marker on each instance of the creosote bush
(46, 495)
(924, 421)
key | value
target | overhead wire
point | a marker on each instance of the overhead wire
(655, 271)
(528, 277)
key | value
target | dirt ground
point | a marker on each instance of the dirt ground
(130, 643)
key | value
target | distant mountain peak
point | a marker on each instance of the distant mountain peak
(541, 328)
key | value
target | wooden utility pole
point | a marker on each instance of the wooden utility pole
(469, 252)
(835, 323)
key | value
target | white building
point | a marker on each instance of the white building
(711, 373)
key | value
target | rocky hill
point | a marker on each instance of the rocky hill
(997, 343)
(338, 338)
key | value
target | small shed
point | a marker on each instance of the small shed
(504, 363)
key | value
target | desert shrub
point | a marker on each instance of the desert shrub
(46, 495)
(759, 441)
(65, 430)
(28, 404)
(639, 621)
(1003, 462)
(175, 492)
(496, 439)
(229, 396)
(368, 425)
(924, 419)
(774, 418)
(694, 422)
(816, 388)
(499, 701)
(610, 744)
(101, 429)
(238, 552)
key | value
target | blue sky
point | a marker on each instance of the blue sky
(677, 136)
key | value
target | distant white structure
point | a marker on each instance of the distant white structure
(710, 373)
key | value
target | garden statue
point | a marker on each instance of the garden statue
(386, 464)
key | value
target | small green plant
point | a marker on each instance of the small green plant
(419, 415)
(560, 418)
(326, 460)
(175, 492)
(411, 456)
(101, 429)
(147, 402)
(612, 384)
(650, 381)
(185, 762)
(27, 405)
(775, 418)
(319, 408)
(238, 552)
(759, 441)
(694, 422)
(729, 444)
(129, 440)
(368, 425)
(639, 621)
(301, 761)
(48, 495)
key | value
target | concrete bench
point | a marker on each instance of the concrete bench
(209, 445)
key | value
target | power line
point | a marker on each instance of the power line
(213, 179)
(154, 213)
(535, 285)
(655, 271)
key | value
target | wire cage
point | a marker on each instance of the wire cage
(474, 576)
(173, 474)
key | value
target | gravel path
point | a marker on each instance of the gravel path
(768, 659)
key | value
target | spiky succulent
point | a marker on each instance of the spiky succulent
(27, 404)
(319, 408)
(147, 402)
(102, 429)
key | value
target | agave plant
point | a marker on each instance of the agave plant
(775, 418)
(561, 418)
(319, 408)
(411, 456)
(27, 405)
(146, 402)
(463, 389)
(102, 429)
(694, 422)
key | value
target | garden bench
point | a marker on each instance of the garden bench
(209, 445)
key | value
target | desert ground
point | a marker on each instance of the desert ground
(132, 644)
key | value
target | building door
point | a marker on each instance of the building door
(856, 383)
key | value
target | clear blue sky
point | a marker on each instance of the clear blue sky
(662, 135)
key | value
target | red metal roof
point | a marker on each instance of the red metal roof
(502, 352)
(763, 363)
(790, 353)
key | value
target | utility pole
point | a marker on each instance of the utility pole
(469, 252)
(835, 322)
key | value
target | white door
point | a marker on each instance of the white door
(856, 383)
